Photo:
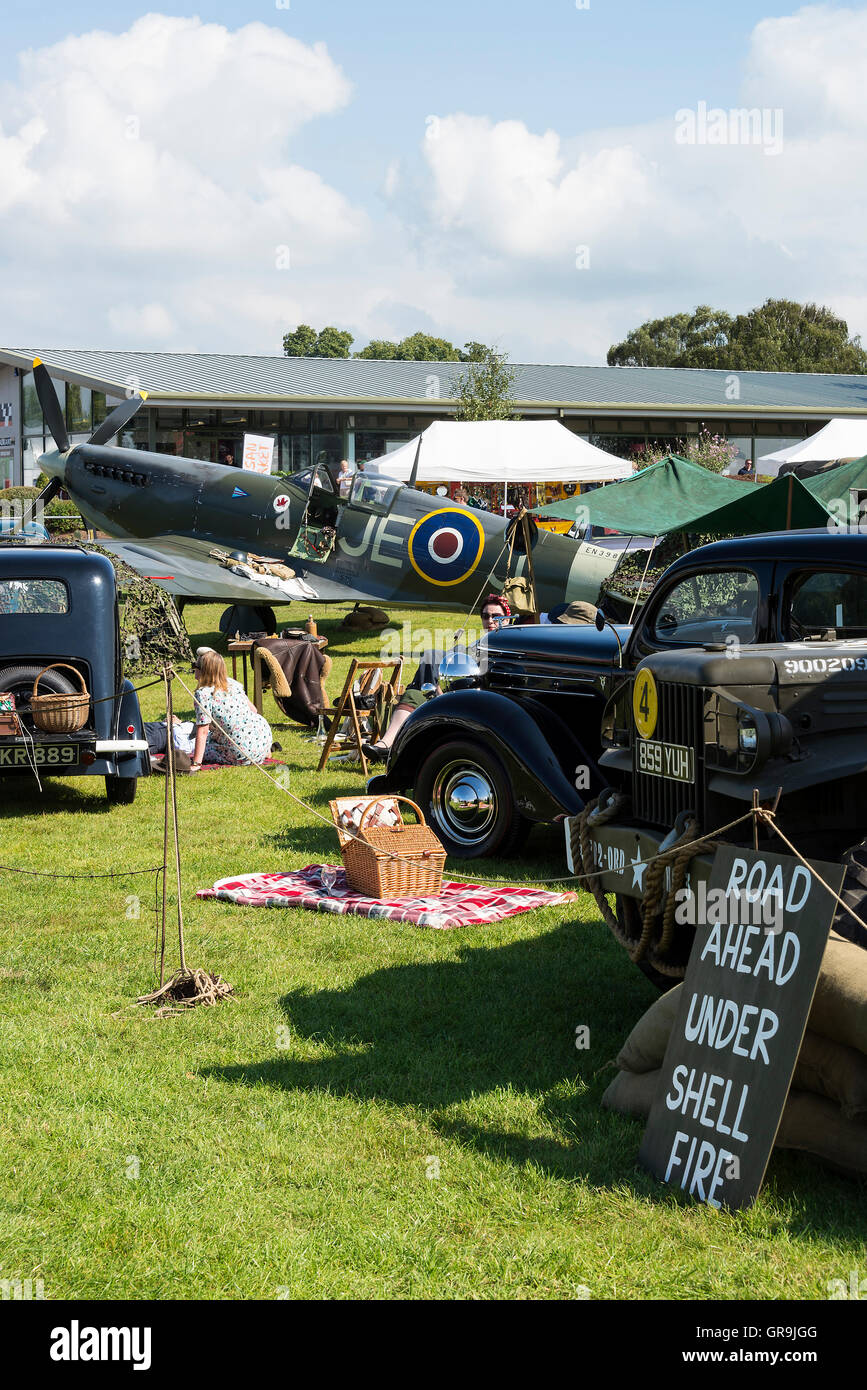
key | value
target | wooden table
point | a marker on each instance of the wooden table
(243, 650)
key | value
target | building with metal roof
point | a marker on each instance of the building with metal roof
(202, 404)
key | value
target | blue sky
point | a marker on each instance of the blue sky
(569, 111)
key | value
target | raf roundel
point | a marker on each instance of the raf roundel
(281, 503)
(446, 545)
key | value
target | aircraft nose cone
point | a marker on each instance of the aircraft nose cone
(53, 463)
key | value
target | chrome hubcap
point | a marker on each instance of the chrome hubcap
(464, 802)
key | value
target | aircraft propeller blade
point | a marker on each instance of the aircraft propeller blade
(48, 493)
(120, 416)
(51, 408)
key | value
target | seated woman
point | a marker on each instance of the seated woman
(494, 611)
(228, 728)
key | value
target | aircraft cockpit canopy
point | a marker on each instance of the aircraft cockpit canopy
(373, 493)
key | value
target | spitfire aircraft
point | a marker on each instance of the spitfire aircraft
(204, 530)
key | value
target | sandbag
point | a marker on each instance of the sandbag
(631, 1093)
(817, 1126)
(356, 621)
(810, 1124)
(839, 1008)
(832, 1070)
(645, 1047)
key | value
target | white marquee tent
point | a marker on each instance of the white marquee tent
(839, 441)
(496, 451)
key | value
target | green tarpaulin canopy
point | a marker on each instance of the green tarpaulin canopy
(677, 495)
(834, 483)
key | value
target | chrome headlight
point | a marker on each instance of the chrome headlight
(748, 735)
(459, 669)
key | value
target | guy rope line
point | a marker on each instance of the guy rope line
(682, 851)
(562, 878)
(461, 630)
(768, 817)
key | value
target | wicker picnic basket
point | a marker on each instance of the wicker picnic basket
(60, 714)
(391, 861)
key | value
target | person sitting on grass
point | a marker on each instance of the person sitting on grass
(229, 730)
(495, 610)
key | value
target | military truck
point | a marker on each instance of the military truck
(701, 727)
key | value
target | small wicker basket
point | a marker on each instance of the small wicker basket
(391, 861)
(60, 714)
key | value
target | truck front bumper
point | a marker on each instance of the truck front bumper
(620, 855)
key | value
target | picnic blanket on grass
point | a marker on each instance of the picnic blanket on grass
(160, 760)
(459, 904)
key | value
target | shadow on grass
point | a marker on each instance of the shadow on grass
(503, 1018)
(20, 796)
(430, 1035)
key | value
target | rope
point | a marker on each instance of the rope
(117, 873)
(641, 582)
(679, 854)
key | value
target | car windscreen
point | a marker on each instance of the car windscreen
(711, 606)
(29, 596)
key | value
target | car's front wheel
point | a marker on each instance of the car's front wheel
(466, 796)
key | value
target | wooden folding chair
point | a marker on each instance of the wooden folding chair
(372, 680)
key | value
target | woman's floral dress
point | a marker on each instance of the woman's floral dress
(237, 734)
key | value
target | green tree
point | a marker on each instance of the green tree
(417, 347)
(782, 336)
(485, 389)
(379, 348)
(778, 336)
(474, 352)
(301, 343)
(681, 340)
(333, 342)
(306, 342)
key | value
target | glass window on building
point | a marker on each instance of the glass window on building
(293, 452)
(30, 455)
(327, 448)
(77, 409)
(741, 447)
(99, 407)
(372, 444)
(765, 445)
(32, 410)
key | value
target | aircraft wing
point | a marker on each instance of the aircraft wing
(184, 567)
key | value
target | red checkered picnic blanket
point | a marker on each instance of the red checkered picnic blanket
(459, 904)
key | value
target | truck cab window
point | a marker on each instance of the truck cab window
(710, 607)
(827, 601)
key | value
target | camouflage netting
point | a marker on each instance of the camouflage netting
(630, 578)
(151, 631)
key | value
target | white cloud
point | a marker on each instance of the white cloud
(147, 163)
(667, 225)
(153, 195)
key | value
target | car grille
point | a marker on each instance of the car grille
(659, 800)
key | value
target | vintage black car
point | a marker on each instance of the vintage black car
(59, 609)
(523, 745)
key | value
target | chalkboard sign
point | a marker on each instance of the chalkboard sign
(762, 922)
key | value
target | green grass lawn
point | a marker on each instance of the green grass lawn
(383, 1111)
